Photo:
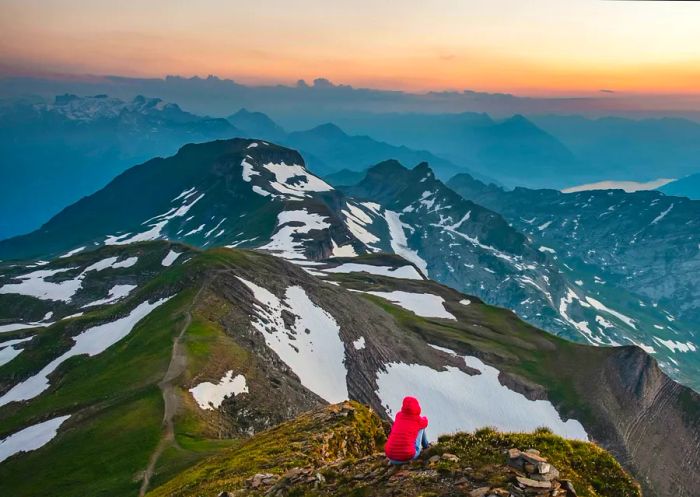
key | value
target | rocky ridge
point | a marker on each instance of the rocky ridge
(341, 454)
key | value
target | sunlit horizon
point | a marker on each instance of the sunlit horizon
(533, 48)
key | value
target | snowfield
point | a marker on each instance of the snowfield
(170, 258)
(426, 305)
(92, 341)
(31, 438)
(312, 348)
(9, 349)
(294, 180)
(157, 223)
(286, 241)
(399, 242)
(117, 292)
(34, 284)
(209, 395)
(407, 272)
(455, 401)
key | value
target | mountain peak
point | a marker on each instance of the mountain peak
(329, 130)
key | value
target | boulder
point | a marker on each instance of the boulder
(530, 483)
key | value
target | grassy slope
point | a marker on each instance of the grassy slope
(312, 440)
(116, 411)
(123, 379)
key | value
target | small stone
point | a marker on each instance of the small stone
(500, 492)
(529, 467)
(532, 458)
(480, 492)
(433, 459)
(552, 474)
(543, 467)
(533, 451)
(569, 487)
(513, 453)
(530, 483)
(450, 457)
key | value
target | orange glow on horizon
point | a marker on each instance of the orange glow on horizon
(539, 48)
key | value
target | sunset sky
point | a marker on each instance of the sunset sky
(527, 47)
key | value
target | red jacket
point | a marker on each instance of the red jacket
(401, 445)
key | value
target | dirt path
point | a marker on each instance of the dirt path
(178, 363)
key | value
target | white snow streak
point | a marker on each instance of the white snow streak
(30, 438)
(92, 341)
(209, 395)
(454, 401)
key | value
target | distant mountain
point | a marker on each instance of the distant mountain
(257, 125)
(611, 242)
(331, 149)
(616, 148)
(55, 153)
(251, 193)
(684, 187)
(328, 149)
(513, 151)
(345, 177)
(305, 103)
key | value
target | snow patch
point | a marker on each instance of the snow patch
(209, 395)
(117, 292)
(170, 258)
(453, 400)
(30, 438)
(312, 347)
(92, 341)
(9, 349)
(71, 252)
(421, 304)
(286, 242)
(399, 243)
(407, 272)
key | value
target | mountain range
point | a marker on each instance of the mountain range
(55, 153)
(320, 312)
(688, 186)
(252, 193)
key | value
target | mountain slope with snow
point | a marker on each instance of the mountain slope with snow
(633, 258)
(215, 332)
(56, 152)
(254, 194)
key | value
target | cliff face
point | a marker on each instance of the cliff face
(656, 423)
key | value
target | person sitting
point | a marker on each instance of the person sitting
(407, 437)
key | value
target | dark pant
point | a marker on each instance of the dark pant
(421, 443)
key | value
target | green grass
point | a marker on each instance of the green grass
(303, 441)
(101, 455)
(134, 363)
(593, 471)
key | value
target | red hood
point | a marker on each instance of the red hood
(410, 406)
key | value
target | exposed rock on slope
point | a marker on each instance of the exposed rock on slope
(336, 450)
(639, 253)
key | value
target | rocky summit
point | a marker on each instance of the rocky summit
(336, 450)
